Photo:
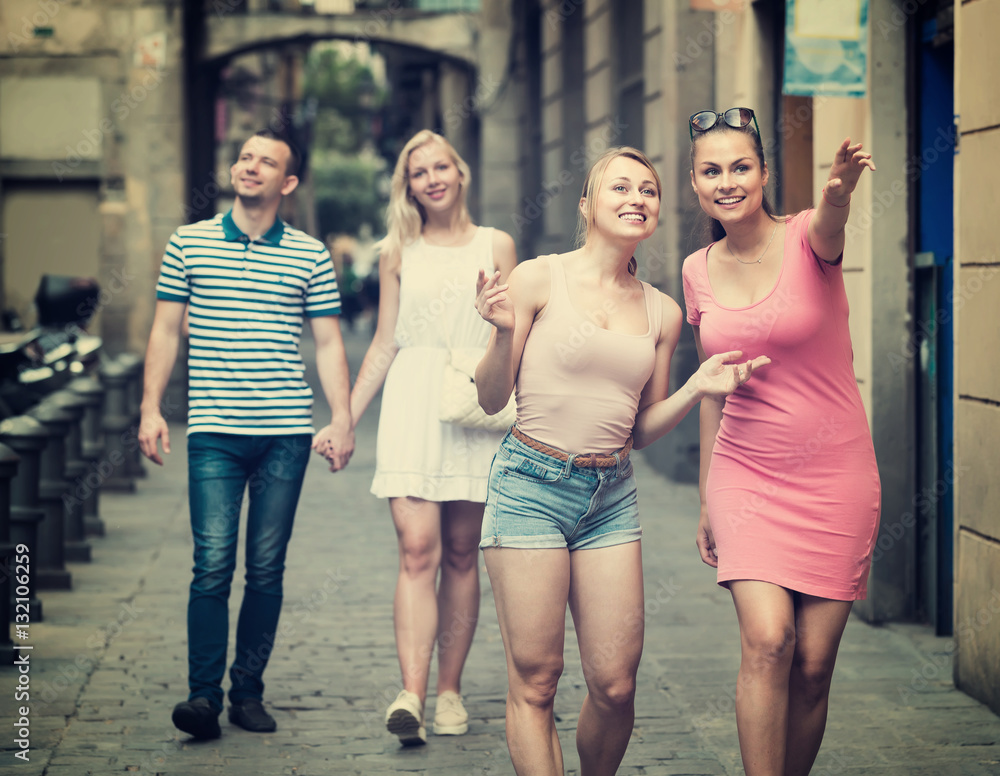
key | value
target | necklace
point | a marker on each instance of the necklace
(773, 231)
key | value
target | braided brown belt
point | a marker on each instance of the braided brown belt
(583, 460)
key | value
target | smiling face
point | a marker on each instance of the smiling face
(626, 201)
(433, 177)
(727, 175)
(258, 176)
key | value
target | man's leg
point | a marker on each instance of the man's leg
(216, 479)
(274, 486)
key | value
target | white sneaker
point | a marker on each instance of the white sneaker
(405, 718)
(450, 716)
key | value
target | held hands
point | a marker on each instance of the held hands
(492, 301)
(717, 377)
(336, 444)
(848, 164)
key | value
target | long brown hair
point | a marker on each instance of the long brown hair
(594, 177)
(711, 228)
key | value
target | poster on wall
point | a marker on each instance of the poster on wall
(826, 47)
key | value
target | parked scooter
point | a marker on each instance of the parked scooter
(36, 362)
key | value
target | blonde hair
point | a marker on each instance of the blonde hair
(405, 217)
(588, 215)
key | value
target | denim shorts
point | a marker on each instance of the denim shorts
(536, 501)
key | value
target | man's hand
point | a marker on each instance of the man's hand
(335, 442)
(152, 428)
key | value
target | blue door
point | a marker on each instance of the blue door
(933, 169)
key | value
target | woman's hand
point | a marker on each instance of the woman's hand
(705, 540)
(717, 377)
(848, 164)
(492, 301)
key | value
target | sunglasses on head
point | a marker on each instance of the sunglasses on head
(737, 118)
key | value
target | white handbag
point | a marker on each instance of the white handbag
(460, 398)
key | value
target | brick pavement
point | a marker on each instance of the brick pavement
(109, 659)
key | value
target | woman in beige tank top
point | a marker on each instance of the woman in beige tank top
(587, 346)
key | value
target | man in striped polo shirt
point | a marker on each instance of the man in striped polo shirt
(242, 283)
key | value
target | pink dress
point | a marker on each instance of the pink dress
(793, 489)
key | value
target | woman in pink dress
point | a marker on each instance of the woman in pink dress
(789, 485)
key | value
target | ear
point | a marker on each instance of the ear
(692, 182)
(291, 182)
(764, 176)
(583, 207)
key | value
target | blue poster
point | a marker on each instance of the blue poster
(826, 47)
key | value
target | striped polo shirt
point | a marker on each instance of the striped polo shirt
(246, 301)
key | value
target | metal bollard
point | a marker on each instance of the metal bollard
(75, 473)
(51, 553)
(28, 438)
(93, 452)
(134, 366)
(116, 425)
(10, 578)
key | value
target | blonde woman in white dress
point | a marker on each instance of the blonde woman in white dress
(434, 474)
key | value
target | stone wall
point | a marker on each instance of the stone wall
(977, 369)
(92, 111)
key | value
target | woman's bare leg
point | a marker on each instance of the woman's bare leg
(458, 590)
(415, 607)
(607, 602)
(766, 614)
(530, 588)
(819, 624)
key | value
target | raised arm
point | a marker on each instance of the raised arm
(383, 349)
(717, 376)
(826, 230)
(510, 308)
(161, 355)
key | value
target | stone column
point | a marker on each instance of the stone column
(8, 580)
(74, 472)
(50, 554)
(93, 453)
(115, 426)
(133, 365)
(26, 437)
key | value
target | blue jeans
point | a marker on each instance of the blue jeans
(220, 468)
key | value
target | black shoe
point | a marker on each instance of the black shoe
(197, 718)
(249, 714)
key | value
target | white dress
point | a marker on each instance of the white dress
(416, 454)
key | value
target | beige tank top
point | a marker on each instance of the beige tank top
(578, 385)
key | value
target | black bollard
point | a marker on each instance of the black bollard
(98, 468)
(133, 365)
(116, 426)
(51, 553)
(28, 438)
(12, 580)
(75, 474)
